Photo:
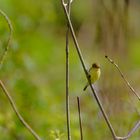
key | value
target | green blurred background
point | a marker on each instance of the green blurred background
(34, 68)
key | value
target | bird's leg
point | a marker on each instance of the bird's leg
(89, 77)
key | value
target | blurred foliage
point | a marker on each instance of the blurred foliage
(34, 69)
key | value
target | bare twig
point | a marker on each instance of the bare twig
(67, 76)
(80, 122)
(134, 129)
(9, 38)
(85, 70)
(137, 125)
(17, 112)
(123, 77)
(2, 85)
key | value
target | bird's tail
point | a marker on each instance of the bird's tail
(85, 87)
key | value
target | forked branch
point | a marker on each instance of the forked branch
(93, 91)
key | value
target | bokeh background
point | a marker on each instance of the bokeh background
(34, 68)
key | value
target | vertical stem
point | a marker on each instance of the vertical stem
(80, 122)
(67, 77)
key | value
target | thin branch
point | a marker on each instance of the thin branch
(2, 85)
(123, 77)
(137, 125)
(67, 76)
(17, 112)
(80, 122)
(9, 38)
(134, 129)
(85, 70)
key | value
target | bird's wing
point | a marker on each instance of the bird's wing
(89, 69)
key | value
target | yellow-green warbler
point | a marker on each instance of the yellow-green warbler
(94, 74)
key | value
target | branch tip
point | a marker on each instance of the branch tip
(123, 77)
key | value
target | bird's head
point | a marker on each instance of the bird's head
(95, 65)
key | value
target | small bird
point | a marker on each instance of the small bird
(94, 74)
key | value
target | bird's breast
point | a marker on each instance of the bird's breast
(95, 74)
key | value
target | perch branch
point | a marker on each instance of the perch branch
(80, 122)
(85, 70)
(17, 112)
(123, 77)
